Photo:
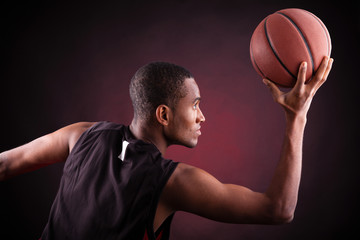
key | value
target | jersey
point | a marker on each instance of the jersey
(110, 188)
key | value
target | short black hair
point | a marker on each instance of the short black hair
(154, 84)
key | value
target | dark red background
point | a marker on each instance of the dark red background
(64, 63)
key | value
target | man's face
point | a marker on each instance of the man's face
(184, 127)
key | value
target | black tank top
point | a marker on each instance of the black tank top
(110, 188)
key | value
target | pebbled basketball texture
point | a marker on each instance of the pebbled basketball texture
(286, 38)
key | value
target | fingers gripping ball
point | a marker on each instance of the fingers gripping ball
(286, 38)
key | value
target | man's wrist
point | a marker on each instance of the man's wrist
(297, 119)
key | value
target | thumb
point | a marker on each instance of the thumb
(275, 91)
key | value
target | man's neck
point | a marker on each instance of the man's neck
(150, 134)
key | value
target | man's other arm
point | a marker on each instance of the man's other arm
(49, 149)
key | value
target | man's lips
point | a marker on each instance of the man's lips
(198, 131)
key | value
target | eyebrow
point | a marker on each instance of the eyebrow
(197, 99)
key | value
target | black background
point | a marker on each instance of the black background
(69, 62)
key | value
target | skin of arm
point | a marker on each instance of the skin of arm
(49, 149)
(194, 190)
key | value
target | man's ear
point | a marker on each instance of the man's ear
(163, 114)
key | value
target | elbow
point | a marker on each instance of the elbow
(283, 218)
(280, 210)
(280, 214)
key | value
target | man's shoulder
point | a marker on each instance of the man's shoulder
(81, 131)
(106, 125)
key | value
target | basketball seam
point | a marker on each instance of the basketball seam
(304, 39)
(273, 49)
(258, 68)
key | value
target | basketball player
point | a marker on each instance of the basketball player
(117, 185)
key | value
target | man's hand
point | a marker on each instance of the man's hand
(298, 100)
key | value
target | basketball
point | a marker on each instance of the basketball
(283, 40)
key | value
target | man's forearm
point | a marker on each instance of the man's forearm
(283, 189)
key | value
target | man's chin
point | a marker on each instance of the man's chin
(191, 144)
(188, 145)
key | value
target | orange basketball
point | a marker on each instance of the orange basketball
(286, 38)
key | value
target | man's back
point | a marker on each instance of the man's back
(110, 187)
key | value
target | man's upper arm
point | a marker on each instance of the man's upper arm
(43, 151)
(193, 190)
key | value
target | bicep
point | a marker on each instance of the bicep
(198, 192)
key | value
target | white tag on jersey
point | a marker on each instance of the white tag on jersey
(122, 154)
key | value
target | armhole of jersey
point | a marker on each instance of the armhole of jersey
(164, 228)
(163, 231)
(82, 136)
